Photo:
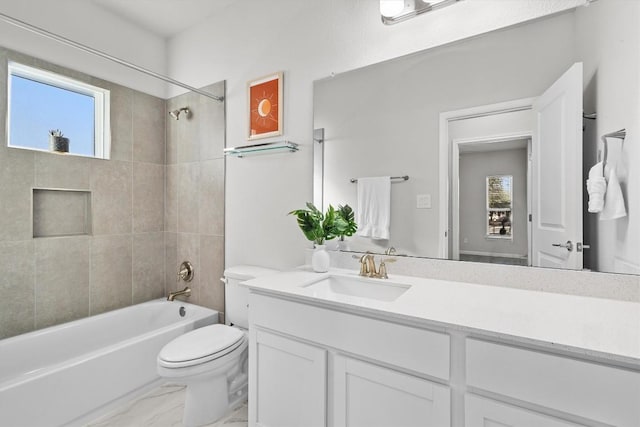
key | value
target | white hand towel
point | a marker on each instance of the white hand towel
(373, 213)
(596, 187)
(613, 199)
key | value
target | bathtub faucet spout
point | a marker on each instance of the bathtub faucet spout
(172, 295)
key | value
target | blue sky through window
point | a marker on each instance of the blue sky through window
(37, 108)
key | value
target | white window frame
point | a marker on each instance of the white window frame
(102, 97)
(489, 209)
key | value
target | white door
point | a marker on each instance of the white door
(367, 395)
(287, 382)
(557, 174)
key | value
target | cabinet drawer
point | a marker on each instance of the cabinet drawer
(483, 412)
(416, 349)
(593, 391)
(365, 394)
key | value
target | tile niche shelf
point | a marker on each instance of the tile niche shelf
(61, 212)
(262, 148)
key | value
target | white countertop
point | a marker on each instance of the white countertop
(595, 327)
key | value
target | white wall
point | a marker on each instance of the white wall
(88, 24)
(609, 48)
(308, 41)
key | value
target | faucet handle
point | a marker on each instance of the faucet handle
(185, 272)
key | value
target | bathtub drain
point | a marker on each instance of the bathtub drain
(182, 311)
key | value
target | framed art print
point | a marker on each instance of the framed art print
(265, 106)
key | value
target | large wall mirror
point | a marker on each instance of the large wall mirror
(460, 119)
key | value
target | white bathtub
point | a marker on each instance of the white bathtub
(62, 374)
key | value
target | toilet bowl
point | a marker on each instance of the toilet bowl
(212, 361)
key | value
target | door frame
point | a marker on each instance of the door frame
(446, 165)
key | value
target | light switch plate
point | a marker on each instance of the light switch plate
(423, 201)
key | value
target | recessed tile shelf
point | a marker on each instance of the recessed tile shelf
(61, 212)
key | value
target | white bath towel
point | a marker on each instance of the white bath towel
(596, 187)
(613, 199)
(373, 213)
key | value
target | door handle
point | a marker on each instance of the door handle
(568, 246)
(581, 246)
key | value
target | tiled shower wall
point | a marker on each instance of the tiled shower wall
(47, 281)
(194, 194)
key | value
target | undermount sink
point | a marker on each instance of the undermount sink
(376, 289)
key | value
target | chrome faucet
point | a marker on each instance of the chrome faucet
(186, 292)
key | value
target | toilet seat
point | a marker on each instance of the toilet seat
(200, 346)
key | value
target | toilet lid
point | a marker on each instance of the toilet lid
(200, 343)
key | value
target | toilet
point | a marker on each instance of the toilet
(212, 361)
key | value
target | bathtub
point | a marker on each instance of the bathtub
(64, 374)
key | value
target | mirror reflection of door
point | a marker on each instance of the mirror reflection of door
(547, 132)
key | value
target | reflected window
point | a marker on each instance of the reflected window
(51, 112)
(499, 206)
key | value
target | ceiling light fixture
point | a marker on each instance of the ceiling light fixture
(394, 11)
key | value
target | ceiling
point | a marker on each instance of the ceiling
(165, 18)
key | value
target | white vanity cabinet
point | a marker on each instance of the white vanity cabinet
(366, 394)
(290, 378)
(317, 363)
(312, 366)
(587, 392)
(483, 412)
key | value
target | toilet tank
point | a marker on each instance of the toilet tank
(237, 295)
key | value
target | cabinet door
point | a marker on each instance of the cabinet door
(366, 395)
(483, 412)
(287, 382)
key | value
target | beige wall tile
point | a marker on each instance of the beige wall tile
(211, 194)
(189, 250)
(188, 197)
(111, 197)
(121, 123)
(62, 279)
(59, 171)
(212, 269)
(149, 115)
(111, 260)
(171, 262)
(171, 198)
(211, 124)
(17, 287)
(148, 266)
(148, 197)
(16, 178)
(188, 138)
(172, 127)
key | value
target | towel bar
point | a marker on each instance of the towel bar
(403, 178)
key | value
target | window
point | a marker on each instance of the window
(499, 206)
(41, 101)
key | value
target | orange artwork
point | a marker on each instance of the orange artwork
(265, 106)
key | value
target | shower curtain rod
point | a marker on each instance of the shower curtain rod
(26, 26)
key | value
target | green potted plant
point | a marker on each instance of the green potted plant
(319, 227)
(347, 214)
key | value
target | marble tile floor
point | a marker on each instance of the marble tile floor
(162, 407)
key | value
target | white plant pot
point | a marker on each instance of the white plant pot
(320, 260)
